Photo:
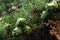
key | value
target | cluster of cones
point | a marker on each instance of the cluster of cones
(55, 28)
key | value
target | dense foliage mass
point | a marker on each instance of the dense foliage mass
(29, 19)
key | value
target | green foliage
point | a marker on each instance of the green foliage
(44, 14)
(27, 29)
(24, 20)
